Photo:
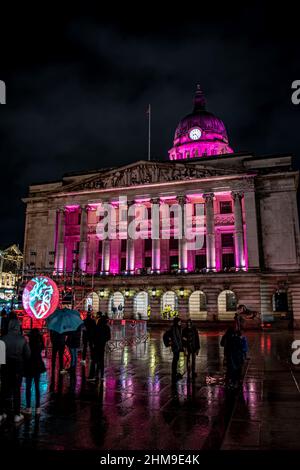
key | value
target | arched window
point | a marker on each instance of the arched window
(169, 304)
(140, 306)
(92, 302)
(280, 301)
(227, 305)
(197, 305)
(116, 305)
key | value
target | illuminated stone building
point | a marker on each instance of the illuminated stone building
(11, 261)
(250, 254)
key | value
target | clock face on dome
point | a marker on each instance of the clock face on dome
(195, 133)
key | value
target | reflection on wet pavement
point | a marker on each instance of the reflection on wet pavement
(136, 408)
(267, 412)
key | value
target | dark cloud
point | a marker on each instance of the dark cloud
(77, 93)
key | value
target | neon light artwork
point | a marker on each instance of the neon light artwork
(40, 297)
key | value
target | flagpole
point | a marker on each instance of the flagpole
(149, 132)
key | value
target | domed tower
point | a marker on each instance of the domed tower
(199, 134)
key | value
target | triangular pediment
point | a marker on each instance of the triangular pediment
(145, 172)
(13, 250)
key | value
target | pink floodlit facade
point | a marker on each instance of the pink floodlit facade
(200, 134)
(248, 226)
(79, 246)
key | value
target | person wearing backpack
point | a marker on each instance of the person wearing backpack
(175, 341)
(17, 353)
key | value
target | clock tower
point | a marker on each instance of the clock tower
(199, 134)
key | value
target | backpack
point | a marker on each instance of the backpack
(167, 338)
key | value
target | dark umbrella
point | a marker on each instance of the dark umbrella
(64, 320)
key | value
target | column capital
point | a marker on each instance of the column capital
(208, 197)
(182, 199)
(155, 200)
(237, 195)
(131, 203)
(61, 210)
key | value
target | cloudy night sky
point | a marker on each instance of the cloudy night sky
(78, 86)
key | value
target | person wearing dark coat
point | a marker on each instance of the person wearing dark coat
(4, 320)
(17, 353)
(58, 342)
(73, 343)
(102, 336)
(88, 336)
(234, 356)
(176, 346)
(191, 345)
(34, 367)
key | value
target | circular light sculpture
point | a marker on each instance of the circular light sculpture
(40, 297)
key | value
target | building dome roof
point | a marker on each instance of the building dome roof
(201, 118)
(200, 133)
(207, 122)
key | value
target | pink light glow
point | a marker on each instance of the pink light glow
(40, 297)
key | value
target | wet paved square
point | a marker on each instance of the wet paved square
(136, 408)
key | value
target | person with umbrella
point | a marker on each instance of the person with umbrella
(61, 322)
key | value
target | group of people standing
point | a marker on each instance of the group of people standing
(23, 358)
(183, 339)
(187, 340)
(93, 335)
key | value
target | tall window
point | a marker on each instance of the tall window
(230, 302)
(280, 302)
(225, 207)
(228, 260)
(227, 240)
(173, 243)
(200, 261)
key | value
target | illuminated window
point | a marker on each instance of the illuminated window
(280, 302)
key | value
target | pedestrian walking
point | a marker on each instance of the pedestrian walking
(34, 367)
(17, 353)
(175, 341)
(88, 336)
(58, 342)
(191, 345)
(73, 343)
(102, 336)
(4, 320)
(234, 357)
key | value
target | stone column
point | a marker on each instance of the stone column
(105, 259)
(155, 235)
(60, 243)
(251, 230)
(130, 254)
(182, 245)
(210, 232)
(238, 230)
(83, 239)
